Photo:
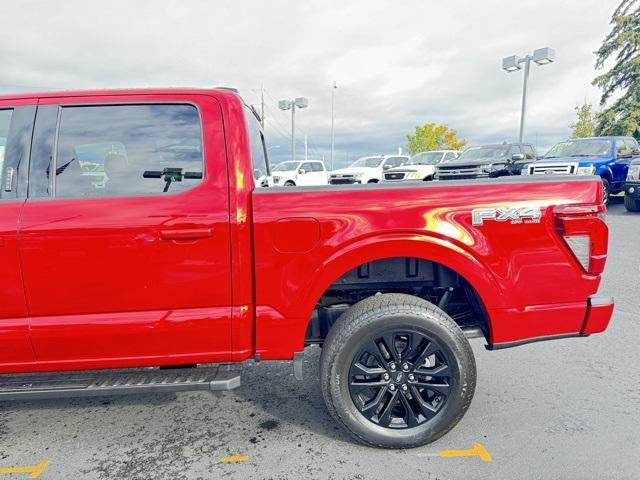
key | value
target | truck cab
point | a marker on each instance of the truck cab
(420, 166)
(606, 157)
(366, 170)
(305, 172)
(487, 161)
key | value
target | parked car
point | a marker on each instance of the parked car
(421, 166)
(180, 268)
(366, 169)
(487, 161)
(292, 173)
(607, 157)
(632, 187)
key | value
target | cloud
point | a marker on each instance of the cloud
(397, 64)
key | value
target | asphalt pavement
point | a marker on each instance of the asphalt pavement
(566, 409)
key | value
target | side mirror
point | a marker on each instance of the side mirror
(386, 167)
(257, 174)
(302, 171)
(517, 157)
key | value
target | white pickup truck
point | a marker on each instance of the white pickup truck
(421, 166)
(292, 173)
(367, 169)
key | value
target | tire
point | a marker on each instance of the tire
(631, 204)
(606, 191)
(289, 183)
(397, 316)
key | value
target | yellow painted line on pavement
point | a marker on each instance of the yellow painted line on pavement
(477, 450)
(234, 458)
(34, 470)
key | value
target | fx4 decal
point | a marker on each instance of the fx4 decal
(506, 214)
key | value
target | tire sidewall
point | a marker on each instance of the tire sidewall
(460, 362)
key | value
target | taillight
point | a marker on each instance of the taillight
(586, 234)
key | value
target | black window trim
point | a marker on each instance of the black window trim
(21, 116)
(54, 152)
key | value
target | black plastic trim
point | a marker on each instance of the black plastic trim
(501, 346)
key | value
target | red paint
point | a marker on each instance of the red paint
(597, 318)
(221, 272)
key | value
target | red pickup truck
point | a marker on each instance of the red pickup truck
(139, 254)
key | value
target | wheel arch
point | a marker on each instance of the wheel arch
(427, 248)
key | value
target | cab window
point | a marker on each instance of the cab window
(307, 167)
(127, 150)
(317, 167)
(5, 121)
(528, 152)
(259, 158)
(632, 146)
(394, 162)
(621, 148)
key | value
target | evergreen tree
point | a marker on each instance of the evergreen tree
(622, 82)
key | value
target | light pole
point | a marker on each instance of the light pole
(300, 102)
(541, 56)
(333, 91)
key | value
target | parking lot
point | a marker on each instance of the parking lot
(564, 409)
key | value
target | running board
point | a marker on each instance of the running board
(118, 382)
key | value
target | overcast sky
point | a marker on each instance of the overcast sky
(397, 64)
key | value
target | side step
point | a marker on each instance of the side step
(118, 382)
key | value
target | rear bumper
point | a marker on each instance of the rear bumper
(632, 189)
(594, 318)
(599, 312)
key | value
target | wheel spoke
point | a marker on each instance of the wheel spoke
(372, 348)
(413, 343)
(441, 370)
(438, 387)
(389, 342)
(360, 385)
(429, 349)
(360, 369)
(410, 417)
(385, 414)
(427, 410)
(370, 408)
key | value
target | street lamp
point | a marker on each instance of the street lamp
(333, 91)
(300, 102)
(541, 56)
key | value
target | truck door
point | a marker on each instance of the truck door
(16, 124)
(125, 234)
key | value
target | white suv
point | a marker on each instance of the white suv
(367, 169)
(421, 166)
(304, 172)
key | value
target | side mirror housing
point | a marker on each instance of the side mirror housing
(386, 167)
(517, 157)
(257, 174)
(302, 171)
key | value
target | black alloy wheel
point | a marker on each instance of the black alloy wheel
(400, 379)
(396, 371)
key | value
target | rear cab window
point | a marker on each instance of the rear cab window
(259, 159)
(5, 122)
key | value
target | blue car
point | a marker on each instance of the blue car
(608, 157)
